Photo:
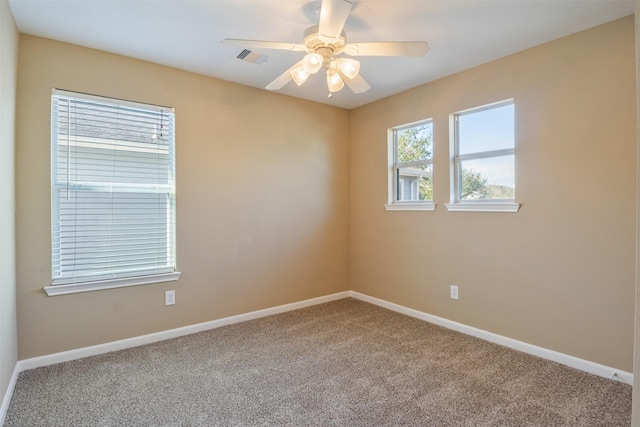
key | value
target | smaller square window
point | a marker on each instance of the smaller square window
(411, 167)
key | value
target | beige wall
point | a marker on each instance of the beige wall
(636, 357)
(8, 76)
(262, 200)
(560, 272)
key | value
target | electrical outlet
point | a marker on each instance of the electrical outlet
(169, 297)
(454, 292)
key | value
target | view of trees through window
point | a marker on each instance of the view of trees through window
(414, 153)
(475, 186)
(483, 162)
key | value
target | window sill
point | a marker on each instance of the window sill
(74, 288)
(511, 207)
(410, 206)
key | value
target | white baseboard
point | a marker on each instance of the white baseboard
(9, 393)
(94, 350)
(565, 359)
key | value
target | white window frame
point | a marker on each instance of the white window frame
(481, 205)
(98, 279)
(394, 166)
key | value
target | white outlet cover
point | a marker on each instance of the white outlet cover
(169, 297)
(454, 292)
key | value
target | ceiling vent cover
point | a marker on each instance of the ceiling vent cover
(253, 57)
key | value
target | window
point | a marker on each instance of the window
(113, 193)
(484, 159)
(411, 167)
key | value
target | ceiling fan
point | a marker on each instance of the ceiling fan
(323, 43)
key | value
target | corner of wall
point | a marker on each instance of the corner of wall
(8, 322)
(635, 420)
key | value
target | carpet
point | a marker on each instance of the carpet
(343, 363)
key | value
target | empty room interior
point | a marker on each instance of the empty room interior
(288, 199)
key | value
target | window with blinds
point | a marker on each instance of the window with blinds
(113, 192)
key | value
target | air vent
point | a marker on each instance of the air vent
(253, 57)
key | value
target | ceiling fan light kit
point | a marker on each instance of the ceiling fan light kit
(299, 74)
(334, 81)
(312, 62)
(323, 43)
(349, 67)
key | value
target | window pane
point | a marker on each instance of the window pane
(415, 183)
(113, 199)
(110, 232)
(486, 130)
(414, 143)
(491, 178)
(109, 164)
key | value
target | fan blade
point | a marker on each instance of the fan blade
(333, 16)
(387, 49)
(263, 44)
(282, 79)
(356, 84)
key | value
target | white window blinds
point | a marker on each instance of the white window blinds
(113, 189)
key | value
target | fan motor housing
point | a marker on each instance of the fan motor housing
(315, 43)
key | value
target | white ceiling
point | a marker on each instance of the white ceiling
(186, 34)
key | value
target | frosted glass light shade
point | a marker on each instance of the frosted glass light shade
(299, 75)
(334, 81)
(312, 62)
(349, 67)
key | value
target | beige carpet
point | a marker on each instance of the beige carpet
(344, 363)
